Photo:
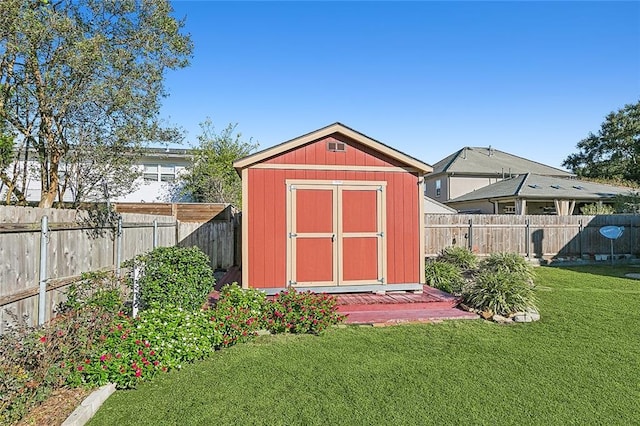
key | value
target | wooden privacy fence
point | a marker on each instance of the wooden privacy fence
(532, 235)
(44, 250)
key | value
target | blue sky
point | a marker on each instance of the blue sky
(528, 78)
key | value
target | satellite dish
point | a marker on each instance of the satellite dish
(612, 233)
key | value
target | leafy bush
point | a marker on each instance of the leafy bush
(511, 263)
(444, 276)
(459, 256)
(305, 312)
(99, 289)
(240, 313)
(173, 276)
(37, 360)
(595, 209)
(500, 292)
(137, 349)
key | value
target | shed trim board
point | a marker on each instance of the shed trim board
(324, 132)
(334, 167)
(335, 233)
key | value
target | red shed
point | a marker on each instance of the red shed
(332, 211)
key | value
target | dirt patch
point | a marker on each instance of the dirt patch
(55, 409)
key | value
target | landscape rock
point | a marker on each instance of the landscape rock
(528, 316)
(502, 320)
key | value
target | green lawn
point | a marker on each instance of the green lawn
(579, 365)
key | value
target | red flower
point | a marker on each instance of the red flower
(43, 339)
(152, 353)
(118, 355)
(138, 373)
(140, 352)
(87, 361)
(80, 368)
(164, 369)
(102, 358)
(137, 342)
(156, 363)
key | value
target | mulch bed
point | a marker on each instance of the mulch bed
(56, 408)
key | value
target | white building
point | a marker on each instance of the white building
(159, 170)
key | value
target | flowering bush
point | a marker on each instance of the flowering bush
(36, 360)
(304, 312)
(240, 313)
(137, 349)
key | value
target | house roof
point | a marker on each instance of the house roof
(433, 206)
(532, 186)
(489, 161)
(327, 131)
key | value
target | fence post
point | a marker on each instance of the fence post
(44, 242)
(118, 247)
(136, 289)
(470, 234)
(527, 238)
(155, 233)
(580, 229)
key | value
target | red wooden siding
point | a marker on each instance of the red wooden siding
(267, 225)
(356, 154)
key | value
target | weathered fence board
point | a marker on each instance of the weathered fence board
(74, 247)
(534, 235)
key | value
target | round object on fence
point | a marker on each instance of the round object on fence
(612, 232)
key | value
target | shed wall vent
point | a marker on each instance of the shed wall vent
(336, 146)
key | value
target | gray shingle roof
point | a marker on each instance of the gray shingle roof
(478, 160)
(531, 185)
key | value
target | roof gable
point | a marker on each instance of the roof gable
(483, 161)
(327, 131)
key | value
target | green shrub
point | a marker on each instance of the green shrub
(174, 276)
(240, 313)
(459, 256)
(511, 263)
(500, 292)
(136, 349)
(99, 289)
(444, 276)
(304, 312)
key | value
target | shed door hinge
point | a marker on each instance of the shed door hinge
(380, 234)
(292, 282)
(381, 280)
(292, 235)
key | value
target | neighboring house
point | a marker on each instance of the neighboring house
(536, 194)
(472, 168)
(159, 170)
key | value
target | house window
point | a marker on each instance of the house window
(159, 173)
(150, 172)
(167, 173)
(438, 187)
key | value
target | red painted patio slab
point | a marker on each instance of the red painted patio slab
(393, 308)
(383, 309)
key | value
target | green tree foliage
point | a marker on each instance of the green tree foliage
(78, 76)
(612, 153)
(9, 180)
(212, 178)
(594, 209)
